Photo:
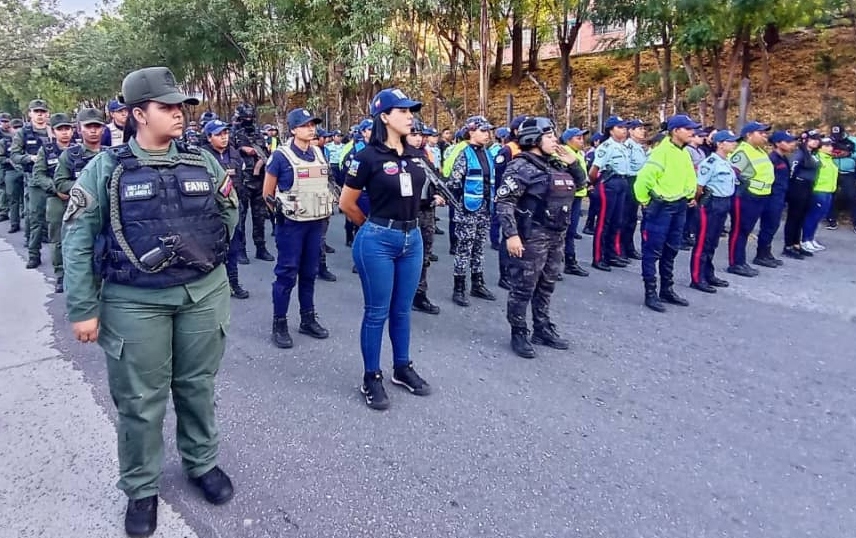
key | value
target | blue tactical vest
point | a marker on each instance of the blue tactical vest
(32, 143)
(169, 221)
(77, 159)
(52, 153)
(474, 181)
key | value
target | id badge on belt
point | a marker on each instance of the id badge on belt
(406, 184)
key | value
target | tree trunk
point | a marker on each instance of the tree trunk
(517, 50)
(637, 66)
(666, 66)
(497, 62)
(564, 71)
(746, 56)
(534, 45)
(484, 57)
(549, 106)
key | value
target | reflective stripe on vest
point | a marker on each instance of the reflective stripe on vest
(309, 197)
(761, 183)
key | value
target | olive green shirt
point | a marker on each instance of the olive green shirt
(88, 215)
(64, 179)
(17, 152)
(41, 178)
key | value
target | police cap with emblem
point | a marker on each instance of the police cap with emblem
(614, 121)
(61, 120)
(153, 84)
(38, 104)
(115, 106)
(572, 132)
(88, 116)
(215, 127)
(752, 127)
(391, 98)
(299, 117)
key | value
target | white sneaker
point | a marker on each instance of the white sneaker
(806, 245)
(817, 246)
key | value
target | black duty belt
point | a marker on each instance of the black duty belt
(403, 225)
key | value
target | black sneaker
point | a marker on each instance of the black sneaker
(406, 376)
(141, 516)
(433, 257)
(372, 389)
(831, 225)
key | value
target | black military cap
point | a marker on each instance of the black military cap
(38, 104)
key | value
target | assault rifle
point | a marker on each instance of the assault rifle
(441, 187)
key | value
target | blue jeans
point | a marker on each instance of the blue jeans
(389, 263)
(819, 208)
(576, 211)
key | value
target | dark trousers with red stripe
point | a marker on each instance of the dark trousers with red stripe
(746, 209)
(630, 218)
(605, 244)
(711, 221)
(663, 230)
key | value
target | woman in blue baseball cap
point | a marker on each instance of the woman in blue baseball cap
(388, 246)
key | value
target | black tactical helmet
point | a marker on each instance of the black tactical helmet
(532, 129)
(245, 111)
(418, 127)
(206, 117)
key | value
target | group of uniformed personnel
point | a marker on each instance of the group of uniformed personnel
(148, 235)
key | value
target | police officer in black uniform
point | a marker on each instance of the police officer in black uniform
(534, 203)
(251, 143)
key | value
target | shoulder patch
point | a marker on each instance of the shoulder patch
(500, 159)
(600, 152)
(704, 169)
(735, 158)
(503, 190)
(78, 201)
(353, 166)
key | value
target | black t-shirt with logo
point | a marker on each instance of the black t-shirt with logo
(393, 182)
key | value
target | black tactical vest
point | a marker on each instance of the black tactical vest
(170, 223)
(550, 200)
(52, 153)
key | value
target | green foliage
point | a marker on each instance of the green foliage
(602, 72)
(649, 79)
(697, 93)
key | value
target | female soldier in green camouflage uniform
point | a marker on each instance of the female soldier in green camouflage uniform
(150, 222)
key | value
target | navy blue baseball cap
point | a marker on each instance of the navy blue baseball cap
(725, 136)
(615, 121)
(572, 132)
(321, 133)
(430, 131)
(753, 126)
(632, 124)
(597, 137)
(300, 116)
(367, 123)
(503, 132)
(215, 127)
(782, 136)
(516, 121)
(391, 98)
(681, 121)
(336, 132)
(115, 106)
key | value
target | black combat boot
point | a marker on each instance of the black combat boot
(14, 228)
(459, 293)
(328, 249)
(309, 325)
(504, 283)
(237, 291)
(573, 268)
(601, 266)
(668, 294)
(652, 301)
(280, 335)
(421, 303)
(141, 516)
(242, 257)
(58, 287)
(34, 262)
(479, 289)
(262, 253)
(216, 486)
(520, 343)
(547, 336)
(438, 231)
(325, 274)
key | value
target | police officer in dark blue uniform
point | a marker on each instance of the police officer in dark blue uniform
(217, 134)
(296, 190)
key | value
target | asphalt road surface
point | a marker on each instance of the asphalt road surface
(731, 418)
